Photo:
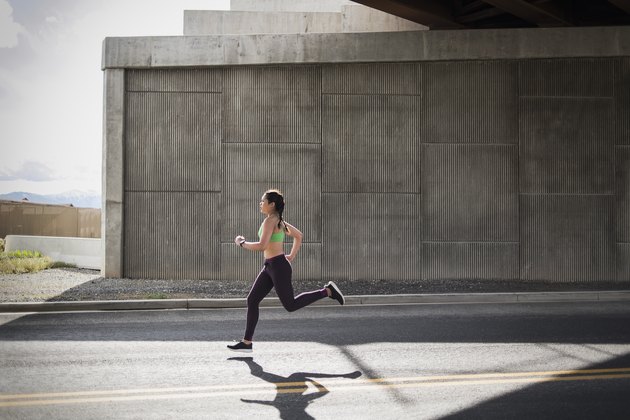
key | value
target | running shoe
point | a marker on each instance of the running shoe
(335, 293)
(241, 347)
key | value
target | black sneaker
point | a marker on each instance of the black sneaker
(241, 347)
(335, 293)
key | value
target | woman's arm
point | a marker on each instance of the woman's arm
(297, 240)
(261, 245)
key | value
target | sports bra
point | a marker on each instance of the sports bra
(275, 237)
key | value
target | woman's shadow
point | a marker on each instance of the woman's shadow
(291, 400)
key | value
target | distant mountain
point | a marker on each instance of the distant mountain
(85, 199)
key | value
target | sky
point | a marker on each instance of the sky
(51, 84)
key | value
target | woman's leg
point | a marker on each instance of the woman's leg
(280, 272)
(261, 288)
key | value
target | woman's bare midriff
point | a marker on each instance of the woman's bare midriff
(274, 249)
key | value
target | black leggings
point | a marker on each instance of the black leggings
(276, 273)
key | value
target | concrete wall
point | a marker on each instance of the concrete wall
(211, 22)
(267, 49)
(428, 170)
(417, 155)
(83, 252)
(329, 6)
(351, 18)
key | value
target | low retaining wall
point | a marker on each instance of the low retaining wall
(84, 252)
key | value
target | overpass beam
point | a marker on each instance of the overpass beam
(538, 13)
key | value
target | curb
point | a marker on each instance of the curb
(162, 304)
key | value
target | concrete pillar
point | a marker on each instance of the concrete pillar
(113, 173)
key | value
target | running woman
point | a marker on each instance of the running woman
(276, 271)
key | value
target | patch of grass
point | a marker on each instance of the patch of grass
(61, 264)
(23, 264)
(156, 296)
(27, 261)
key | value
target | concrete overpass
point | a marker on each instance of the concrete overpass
(476, 14)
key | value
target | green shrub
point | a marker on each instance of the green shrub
(24, 254)
(20, 265)
(1, 245)
(26, 261)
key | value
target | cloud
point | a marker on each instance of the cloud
(29, 171)
(9, 30)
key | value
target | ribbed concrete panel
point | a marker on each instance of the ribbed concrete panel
(623, 262)
(575, 77)
(240, 264)
(466, 260)
(470, 192)
(371, 236)
(469, 102)
(378, 78)
(173, 142)
(567, 145)
(272, 104)
(172, 235)
(175, 80)
(567, 238)
(622, 194)
(622, 101)
(251, 169)
(370, 143)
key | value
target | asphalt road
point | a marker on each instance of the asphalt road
(524, 361)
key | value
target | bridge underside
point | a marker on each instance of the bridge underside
(470, 14)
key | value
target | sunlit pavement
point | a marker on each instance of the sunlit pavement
(544, 360)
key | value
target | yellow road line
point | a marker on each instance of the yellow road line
(298, 384)
(134, 391)
(491, 375)
(487, 381)
(131, 398)
(15, 400)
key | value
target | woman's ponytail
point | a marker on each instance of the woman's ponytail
(275, 196)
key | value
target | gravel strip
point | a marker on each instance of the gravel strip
(43, 285)
(81, 284)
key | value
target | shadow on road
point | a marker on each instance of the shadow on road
(291, 398)
(598, 397)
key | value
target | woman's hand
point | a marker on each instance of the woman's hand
(239, 239)
(290, 257)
